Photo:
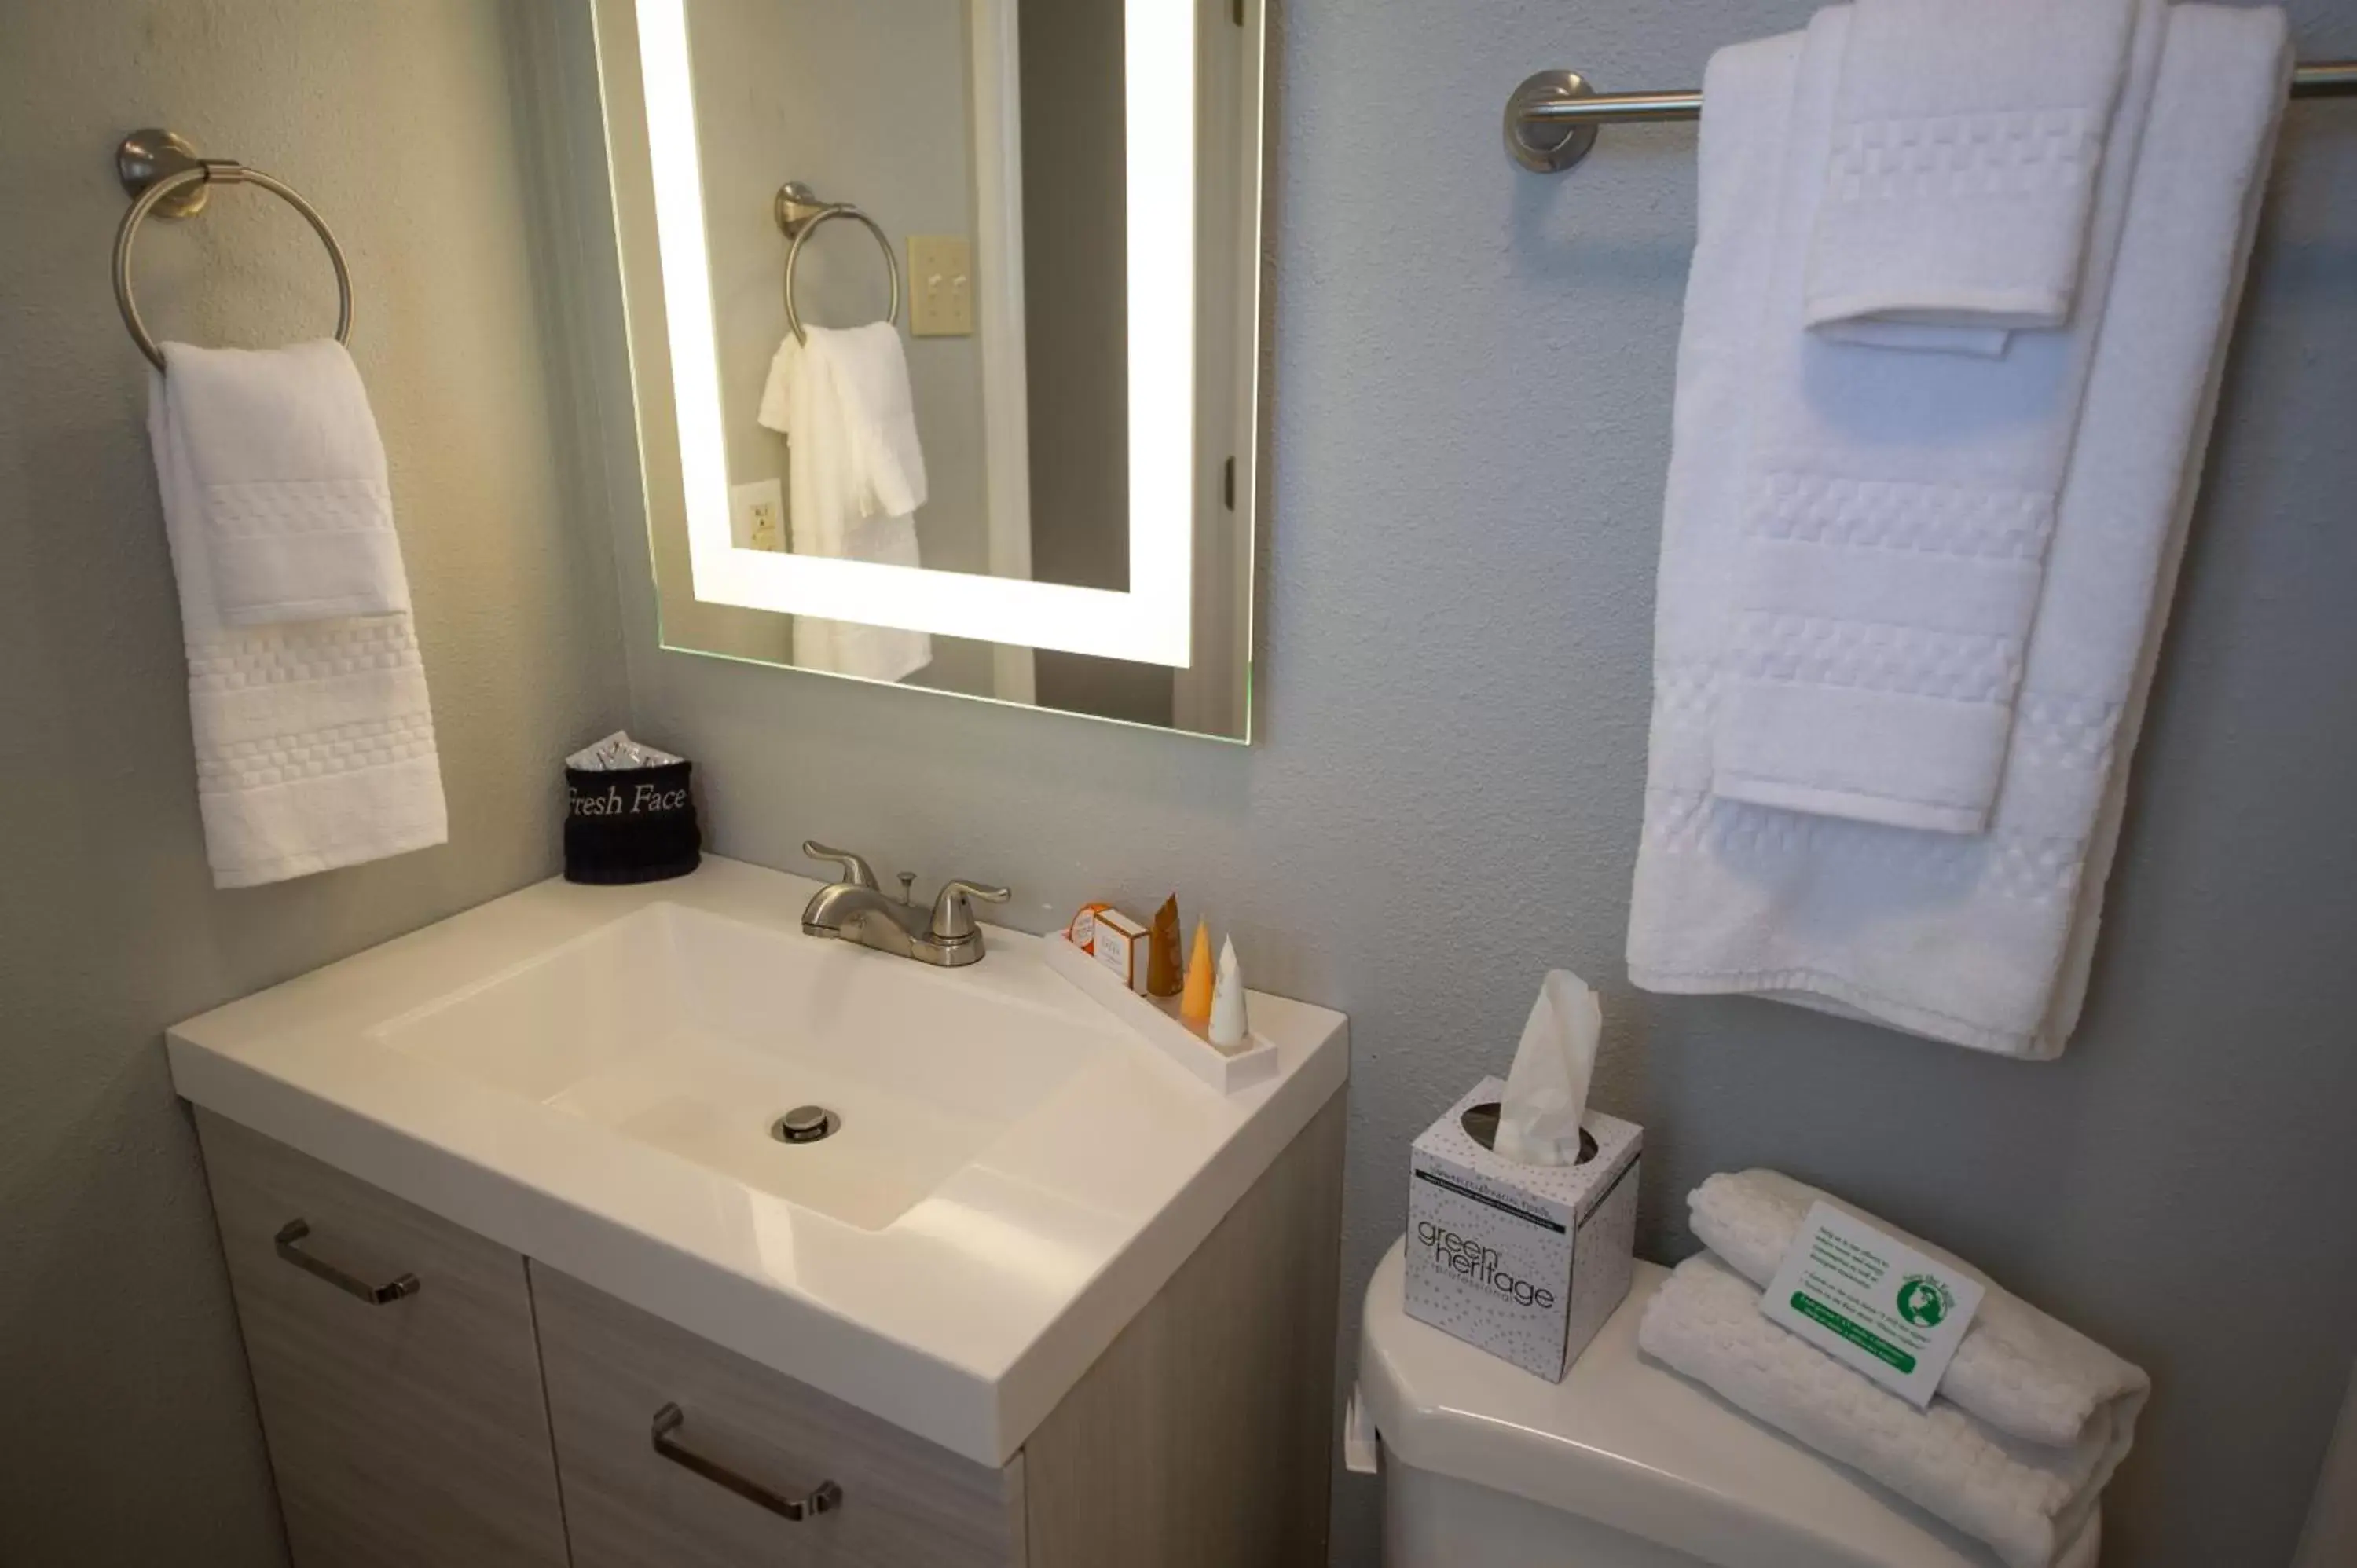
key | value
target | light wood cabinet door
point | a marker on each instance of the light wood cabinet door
(401, 1432)
(899, 1501)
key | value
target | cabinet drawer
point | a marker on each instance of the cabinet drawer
(903, 1502)
(404, 1431)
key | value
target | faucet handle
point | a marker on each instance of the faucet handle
(952, 916)
(855, 870)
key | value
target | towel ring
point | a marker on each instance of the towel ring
(168, 177)
(799, 213)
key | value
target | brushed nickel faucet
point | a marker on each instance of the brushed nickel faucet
(854, 909)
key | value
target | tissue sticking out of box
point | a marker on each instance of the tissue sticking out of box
(1546, 1092)
(618, 753)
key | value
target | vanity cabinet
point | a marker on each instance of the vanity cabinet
(504, 1414)
(395, 1363)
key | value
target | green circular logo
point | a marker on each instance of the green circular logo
(1924, 1300)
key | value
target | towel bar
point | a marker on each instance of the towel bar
(799, 212)
(1551, 119)
(165, 172)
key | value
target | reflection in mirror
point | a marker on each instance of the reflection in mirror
(944, 326)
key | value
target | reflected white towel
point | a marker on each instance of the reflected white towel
(314, 737)
(1982, 939)
(2016, 1369)
(279, 463)
(1963, 157)
(856, 472)
(2036, 1505)
(1897, 509)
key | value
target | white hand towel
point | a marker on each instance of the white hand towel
(1897, 514)
(314, 739)
(854, 473)
(1965, 144)
(2037, 1506)
(1984, 941)
(282, 472)
(2016, 1369)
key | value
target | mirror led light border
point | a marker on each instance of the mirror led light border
(1152, 623)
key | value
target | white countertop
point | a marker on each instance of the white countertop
(964, 1320)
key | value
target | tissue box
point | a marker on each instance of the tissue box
(1526, 1261)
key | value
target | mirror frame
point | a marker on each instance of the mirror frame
(1151, 623)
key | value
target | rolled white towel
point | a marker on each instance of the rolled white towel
(2037, 1506)
(2016, 1369)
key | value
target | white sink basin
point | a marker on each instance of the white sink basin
(588, 1076)
(694, 1033)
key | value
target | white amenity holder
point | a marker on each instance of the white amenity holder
(1225, 1067)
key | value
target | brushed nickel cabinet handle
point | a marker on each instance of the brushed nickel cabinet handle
(824, 1497)
(289, 1242)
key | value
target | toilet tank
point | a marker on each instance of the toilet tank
(1622, 1465)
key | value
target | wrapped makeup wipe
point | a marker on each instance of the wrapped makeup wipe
(1546, 1089)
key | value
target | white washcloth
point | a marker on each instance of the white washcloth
(1984, 941)
(2016, 1369)
(314, 737)
(1897, 510)
(1963, 150)
(2037, 1506)
(282, 476)
(856, 472)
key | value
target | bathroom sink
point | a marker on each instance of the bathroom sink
(591, 1077)
(694, 1034)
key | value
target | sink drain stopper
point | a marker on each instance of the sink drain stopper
(805, 1125)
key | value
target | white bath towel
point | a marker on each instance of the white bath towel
(1897, 510)
(1961, 161)
(314, 737)
(855, 473)
(2036, 1506)
(2016, 1369)
(282, 475)
(1983, 940)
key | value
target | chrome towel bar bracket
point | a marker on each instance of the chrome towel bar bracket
(164, 172)
(1551, 119)
(799, 212)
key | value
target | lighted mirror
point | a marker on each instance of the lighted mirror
(995, 431)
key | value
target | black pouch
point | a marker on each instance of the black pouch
(630, 824)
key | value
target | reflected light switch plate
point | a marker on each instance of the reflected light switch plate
(940, 286)
(757, 516)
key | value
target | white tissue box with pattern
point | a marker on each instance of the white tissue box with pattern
(1525, 1261)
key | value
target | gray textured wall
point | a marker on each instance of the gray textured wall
(130, 1436)
(1472, 388)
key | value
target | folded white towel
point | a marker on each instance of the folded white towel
(1983, 940)
(855, 471)
(1965, 145)
(282, 476)
(314, 737)
(2016, 1369)
(2036, 1505)
(1897, 514)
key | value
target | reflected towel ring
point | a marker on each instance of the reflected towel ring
(799, 214)
(164, 172)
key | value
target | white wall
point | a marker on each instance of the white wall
(1472, 386)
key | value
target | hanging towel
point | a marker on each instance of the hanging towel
(2016, 1369)
(2037, 1506)
(314, 737)
(1962, 160)
(1897, 510)
(855, 473)
(1980, 940)
(283, 473)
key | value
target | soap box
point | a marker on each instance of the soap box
(1526, 1261)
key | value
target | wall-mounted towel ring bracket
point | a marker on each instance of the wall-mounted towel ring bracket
(1551, 119)
(163, 170)
(799, 212)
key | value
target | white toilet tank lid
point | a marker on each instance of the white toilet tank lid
(1625, 1442)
